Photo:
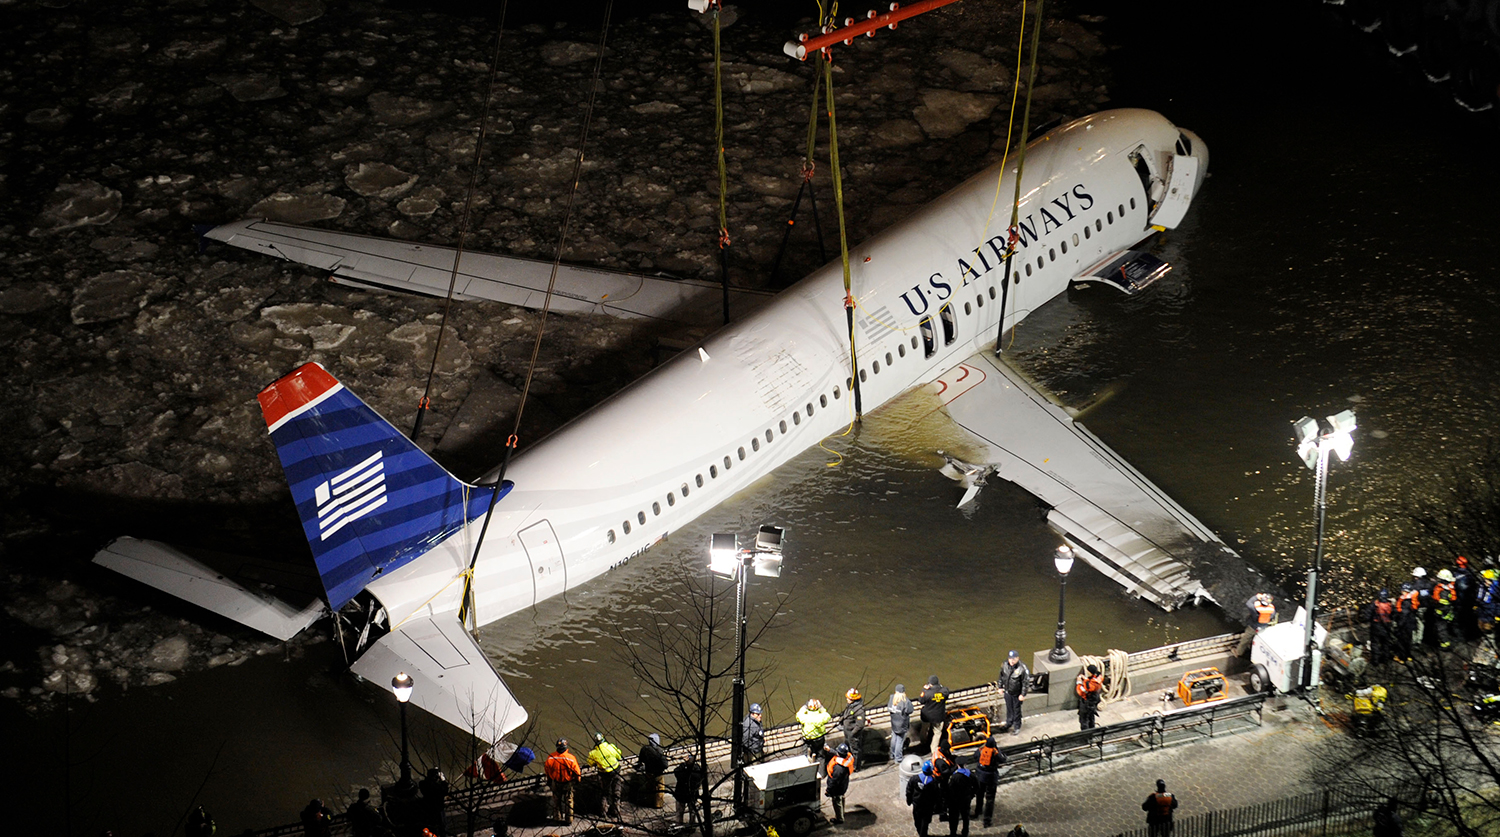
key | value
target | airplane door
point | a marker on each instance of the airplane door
(1182, 179)
(545, 554)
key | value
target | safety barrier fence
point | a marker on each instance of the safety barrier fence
(1334, 811)
(787, 738)
(1075, 749)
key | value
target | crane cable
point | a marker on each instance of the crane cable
(723, 171)
(1013, 234)
(467, 607)
(463, 226)
(809, 168)
(826, 59)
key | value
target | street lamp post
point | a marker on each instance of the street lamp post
(1314, 443)
(1063, 560)
(402, 685)
(727, 561)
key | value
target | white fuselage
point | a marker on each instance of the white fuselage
(696, 430)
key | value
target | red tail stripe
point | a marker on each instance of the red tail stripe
(294, 392)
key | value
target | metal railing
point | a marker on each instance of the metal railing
(1323, 812)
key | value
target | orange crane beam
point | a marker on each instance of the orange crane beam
(803, 46)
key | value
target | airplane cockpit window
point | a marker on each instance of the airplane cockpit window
(1184, 145)
(950, 325)
(929, 337)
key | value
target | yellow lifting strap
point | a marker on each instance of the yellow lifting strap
(1015, 206)
(826, 61)
(723, 170)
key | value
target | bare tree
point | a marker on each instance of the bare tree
(1434, 748)
(684, 658)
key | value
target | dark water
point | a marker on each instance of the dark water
(1341, 253)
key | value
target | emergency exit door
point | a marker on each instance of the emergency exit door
(548, 570)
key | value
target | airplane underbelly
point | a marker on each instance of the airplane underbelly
(549, 572)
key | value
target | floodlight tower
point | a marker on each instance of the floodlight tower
(726, 560)
(1314, 443)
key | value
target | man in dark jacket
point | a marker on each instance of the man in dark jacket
(840, 766)
(752, 735)
(1015, 682)
(366, 820)
(924, 795)
(934, 700)
(961, 789)
(317, 819)
(652, 760)
(852, 719)
(1159, 807)
(434, 798)
(987, 776)
(689, 782)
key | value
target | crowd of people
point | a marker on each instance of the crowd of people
(1441, 612)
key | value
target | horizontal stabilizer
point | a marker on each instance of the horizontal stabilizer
(1124, 526)
(387, 264)
(1128, 272)
(454, 680)
(240, 592)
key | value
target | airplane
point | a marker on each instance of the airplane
(393, 533)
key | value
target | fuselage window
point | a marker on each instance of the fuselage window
(626, 527)
(1098, 225)
(950, 325)
(611, 536)
(822, 401)
(979, 300)
(797, 416)
(901, 349)
(684, 491)
(656, 508)
(754, 444)
(1122, 212)
(876, 367)
(742, 453)
(992, 293)
(1041, 262)
(1110, 217)
(968, 309)
(1065, 247)
(698, 479)
(641, 516)
(1086, 233)
(1028, 268)
(835, 393)
(864, 375)
(888, 360)
(1051, 255)
(713, 471)
(1075, 240)
(782, 425)
(727, 463)
(1132, 203)
(929, 337)
(809, 409)
(671, 499)
(914, 342)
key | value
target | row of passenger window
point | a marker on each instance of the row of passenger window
(740, 455)
(949, 322)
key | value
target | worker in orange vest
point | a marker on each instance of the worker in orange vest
(1090, 691)
(1444, 608)
(1159, 807)
(987, 773)
(840, 767)
(563, 773)
(1382, 619)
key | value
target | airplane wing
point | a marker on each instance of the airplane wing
(239, 588)
(454, 680)
(388, 264)
(1122, 524)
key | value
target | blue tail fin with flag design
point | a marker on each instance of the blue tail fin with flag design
(370, 500)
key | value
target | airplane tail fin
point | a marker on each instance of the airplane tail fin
(370, 500)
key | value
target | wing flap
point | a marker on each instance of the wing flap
(454, 680)
(1126, 527)
(234, 594)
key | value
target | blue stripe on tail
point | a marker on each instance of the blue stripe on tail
(369, 499)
